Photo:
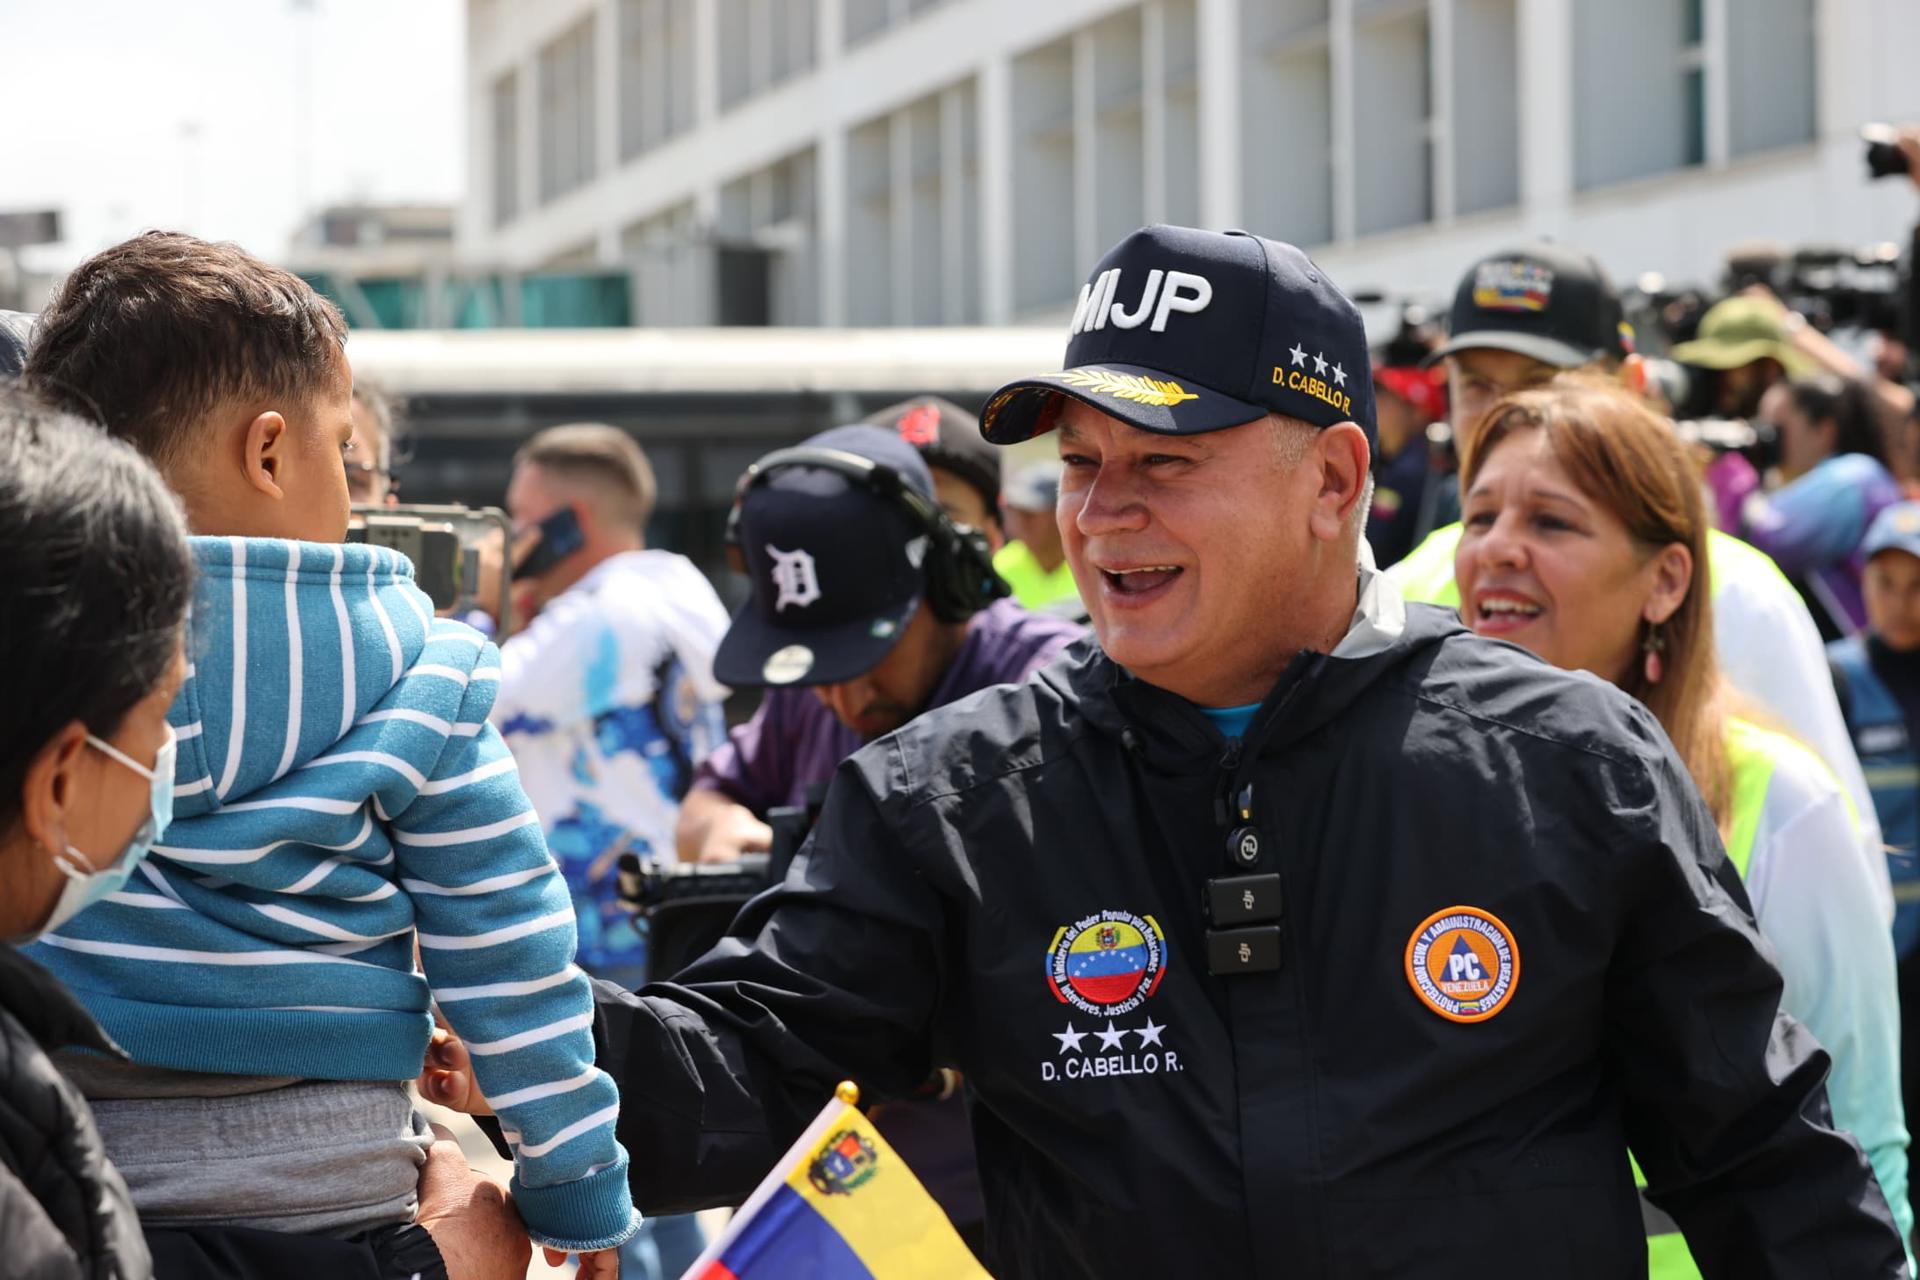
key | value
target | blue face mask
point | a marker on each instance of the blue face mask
(86, 883)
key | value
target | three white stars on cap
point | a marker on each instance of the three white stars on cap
(1299, 354)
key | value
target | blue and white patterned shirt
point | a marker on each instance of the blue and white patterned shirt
(608, 700)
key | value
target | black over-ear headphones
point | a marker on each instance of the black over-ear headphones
(959, 562)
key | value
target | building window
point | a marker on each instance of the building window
(862, 20)
(1392, 112)
(1653, 77)
(656, 73)
(1286, 97)
(1046, 270)
(506, 149)
(1485, 128)
(763, 43)
(1770, 75)
(567, 112)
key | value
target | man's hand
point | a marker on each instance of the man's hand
(471, 1218)
(447, 1077)
(715, 829)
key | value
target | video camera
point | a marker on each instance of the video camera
(688, 906)
(443, 542)
(1840, 288)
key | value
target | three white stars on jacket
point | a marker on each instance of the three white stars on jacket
(1111, 1038)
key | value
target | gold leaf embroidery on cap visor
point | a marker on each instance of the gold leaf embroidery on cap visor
(1128, 386)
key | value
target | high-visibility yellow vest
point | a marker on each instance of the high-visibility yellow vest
(1752, 756)
(1032, 585)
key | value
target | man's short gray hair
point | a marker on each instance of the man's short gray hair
(1291, 439)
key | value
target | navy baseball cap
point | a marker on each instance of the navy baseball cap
(1895, 529)
(837, 567)
(1543, 301)
(1182, 331)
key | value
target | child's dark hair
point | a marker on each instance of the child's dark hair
(97, 578)
(1845, 401)
(147, 337)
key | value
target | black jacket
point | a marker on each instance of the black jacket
(1321, 1120)
(64, 1212)
(63, 1209)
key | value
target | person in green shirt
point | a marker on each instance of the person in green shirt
(1033, 562)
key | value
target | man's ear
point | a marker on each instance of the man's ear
(1341, 455)
(48, 791)
(266, 449)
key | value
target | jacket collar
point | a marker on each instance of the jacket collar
(1174, 736)
(47, 1010)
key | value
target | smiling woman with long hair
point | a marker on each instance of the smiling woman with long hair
(1585, 542)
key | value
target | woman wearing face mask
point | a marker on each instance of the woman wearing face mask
(95, 580)
(1584, 542)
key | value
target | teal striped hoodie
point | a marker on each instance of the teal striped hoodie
(340, 795)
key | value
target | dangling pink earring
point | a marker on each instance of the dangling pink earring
(1652, 646)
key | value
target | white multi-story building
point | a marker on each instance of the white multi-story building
(891, 162)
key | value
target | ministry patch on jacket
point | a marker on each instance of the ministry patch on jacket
(1463, 964)
(1108, 964)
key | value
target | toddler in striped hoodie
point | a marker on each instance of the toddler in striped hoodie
(339, 798)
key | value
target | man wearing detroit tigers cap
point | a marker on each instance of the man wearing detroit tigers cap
(1221, 1007)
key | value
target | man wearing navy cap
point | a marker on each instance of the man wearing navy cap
(1221, 1007)
(866, 609)
(855, 626)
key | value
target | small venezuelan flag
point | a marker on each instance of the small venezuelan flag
(840, 1205)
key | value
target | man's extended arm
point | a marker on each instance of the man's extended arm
(1725, 1105)
(835, 974)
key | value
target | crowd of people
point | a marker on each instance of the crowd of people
(1177, 810)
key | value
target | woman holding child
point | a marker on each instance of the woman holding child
(96, 586)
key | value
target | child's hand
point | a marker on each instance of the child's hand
(601, 1264)
(447, 1077)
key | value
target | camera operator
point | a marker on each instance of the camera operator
(1744, 346)
(869, 606)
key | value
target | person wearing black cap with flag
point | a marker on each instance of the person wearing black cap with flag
(1520, 317)
(1221, 1010)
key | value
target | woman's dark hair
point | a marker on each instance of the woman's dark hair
(96, 578)
(1844, 400)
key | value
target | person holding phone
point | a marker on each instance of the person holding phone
(607, 698)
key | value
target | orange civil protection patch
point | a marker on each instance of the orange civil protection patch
(1463, 963)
